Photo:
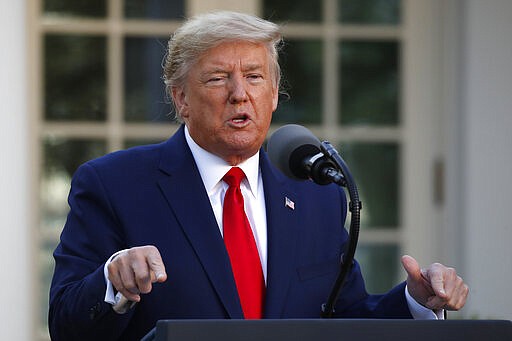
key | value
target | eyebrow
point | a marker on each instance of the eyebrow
(220, 69)
(252, 67)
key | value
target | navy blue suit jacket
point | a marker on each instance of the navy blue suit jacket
(154, 195)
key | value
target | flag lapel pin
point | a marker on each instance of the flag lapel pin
(288, 203)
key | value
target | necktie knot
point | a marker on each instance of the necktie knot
(234, 177)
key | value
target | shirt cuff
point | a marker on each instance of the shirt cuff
(110, 296)
(420, 312)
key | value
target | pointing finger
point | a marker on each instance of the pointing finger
(435, 276)
(156, 266)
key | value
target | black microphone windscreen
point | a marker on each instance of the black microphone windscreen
(289, 146)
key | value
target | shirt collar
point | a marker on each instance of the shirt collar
(212, 168)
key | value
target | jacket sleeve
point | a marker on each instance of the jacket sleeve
(90, 236)
(355, 302)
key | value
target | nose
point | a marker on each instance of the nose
(237, 93)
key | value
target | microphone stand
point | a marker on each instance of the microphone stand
(347, 258)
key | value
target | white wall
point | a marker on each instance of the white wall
(487, 157)
(15, 251)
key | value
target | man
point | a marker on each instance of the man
(152, 224)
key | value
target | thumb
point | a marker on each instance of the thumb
(412, 268)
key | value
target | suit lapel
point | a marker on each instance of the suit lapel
(188, 199)
(282, 221)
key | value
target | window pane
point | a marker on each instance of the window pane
(301, 64)
(369, 83)
(369, 11)
(292, 10)
(379, 265)
(145, 98)
(61, 158)
(375, 168)
(154, 9)
(75, 77)
(82, 8)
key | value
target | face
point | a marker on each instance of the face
(228, 100)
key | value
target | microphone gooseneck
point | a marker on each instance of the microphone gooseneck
(354, 206)
(300, 155)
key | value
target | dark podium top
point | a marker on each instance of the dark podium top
(333, 329)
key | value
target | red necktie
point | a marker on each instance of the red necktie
(242, 250)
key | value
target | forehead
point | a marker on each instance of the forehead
(230, 54)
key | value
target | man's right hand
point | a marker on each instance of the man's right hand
(133, 271)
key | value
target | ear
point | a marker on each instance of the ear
(275, 98)
(180, 100)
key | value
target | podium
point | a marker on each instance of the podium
(331, 329)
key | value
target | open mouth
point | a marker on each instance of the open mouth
(242, 118)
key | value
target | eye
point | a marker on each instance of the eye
(254, 77)
(215, 79)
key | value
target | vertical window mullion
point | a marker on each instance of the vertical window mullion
(115, 65)
(330, 66)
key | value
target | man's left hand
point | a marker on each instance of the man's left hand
(436, 287)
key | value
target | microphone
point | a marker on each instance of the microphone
(297, 153)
